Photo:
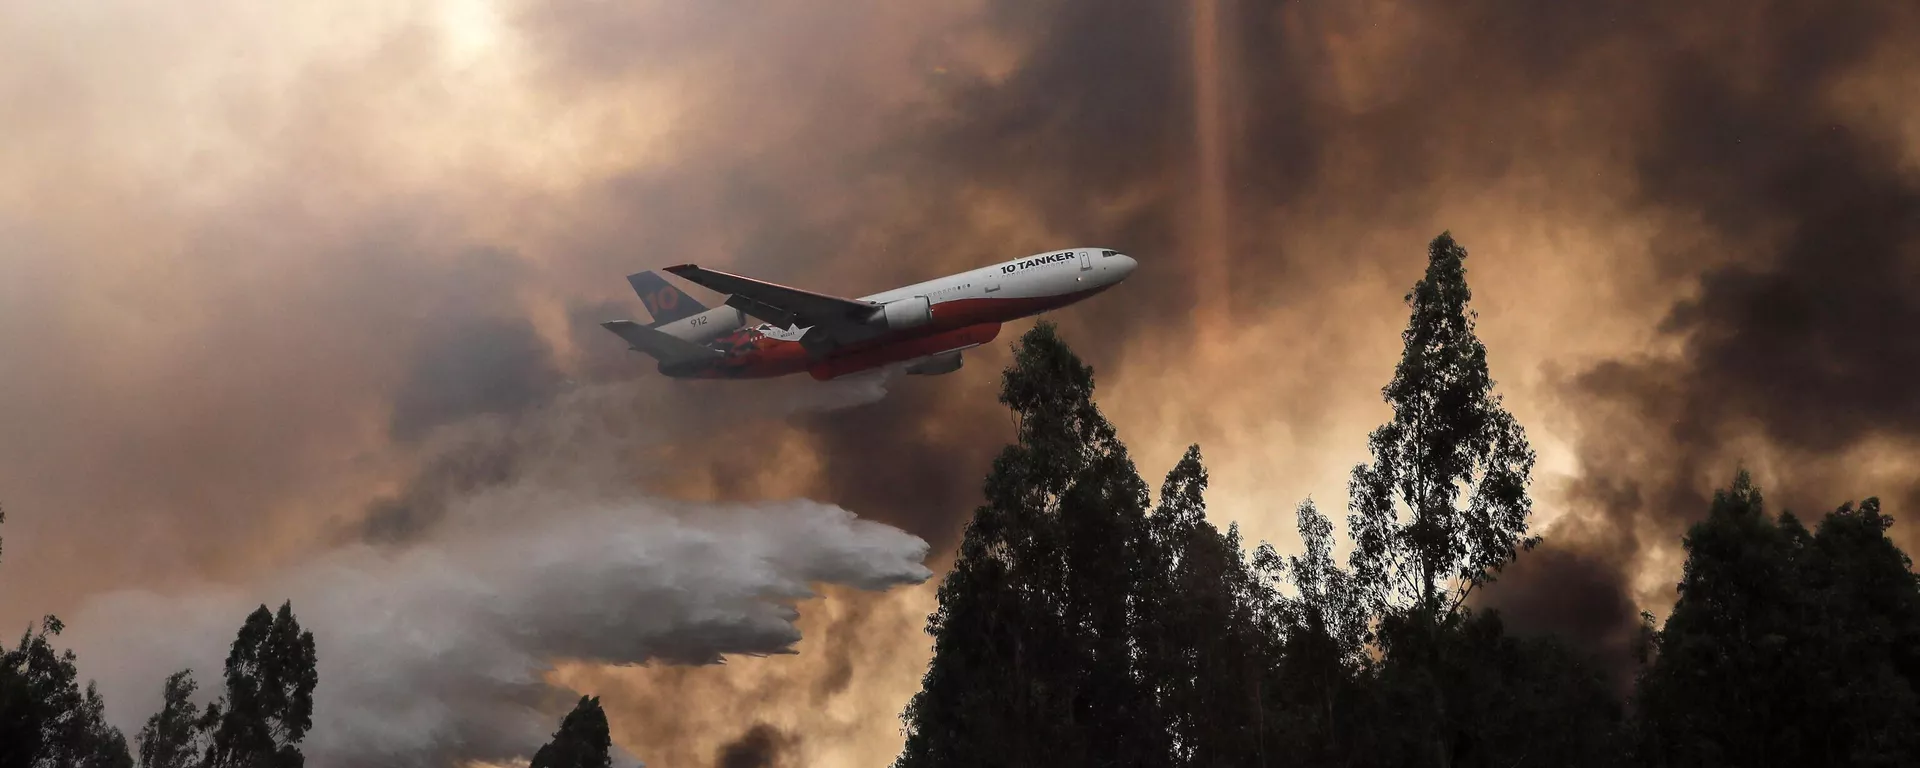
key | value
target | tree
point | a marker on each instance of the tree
(19, 719)
(1464, 692)
(1035, 632)
(172, 735)
(1786, 647)
(1329, 610)
(1316, 696)
(1450, 438)
(1865, 613)
(1441, 508)
(1201, 643)
(48, 718)
(269, 702)
(582, 740)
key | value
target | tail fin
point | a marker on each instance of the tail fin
(664, 302)
(661, 346)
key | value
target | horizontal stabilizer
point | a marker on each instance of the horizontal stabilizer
(663, 347)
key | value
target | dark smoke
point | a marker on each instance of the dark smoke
(844, 650)
(1818, 235)
(468, 367)
(436, 651)
(1794, 332)
(762, 746)
(1100, 110)
(1795, 335)
(807, 166)
(882, 463)
(1803, 337)
(1575, 596)
(459, 471)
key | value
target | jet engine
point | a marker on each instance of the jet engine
(935, 365)
(911, 312)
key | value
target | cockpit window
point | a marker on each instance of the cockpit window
(1104, 254)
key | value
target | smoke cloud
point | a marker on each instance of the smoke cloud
(436, 650)
(762, 746)
(1807, 221)
(335, 306)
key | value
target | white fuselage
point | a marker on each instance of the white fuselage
(1024, 280)
(1042, 275)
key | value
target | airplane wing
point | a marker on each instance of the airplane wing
(779, 304)
(661, 346)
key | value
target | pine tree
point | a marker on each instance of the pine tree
(582, 741)
(172, 735)
(268, 707)
(1034, 636)
(1450, 436)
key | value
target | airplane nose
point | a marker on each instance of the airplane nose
(1126, 264)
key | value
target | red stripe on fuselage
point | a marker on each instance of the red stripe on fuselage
(751, 355)
(837, 365)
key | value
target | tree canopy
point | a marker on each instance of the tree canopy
(1444, 503)
(1786, 647)
(1037, 627)
(46, 716)
(269, 703)
(582, 741)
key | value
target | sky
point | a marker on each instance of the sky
(300, 302)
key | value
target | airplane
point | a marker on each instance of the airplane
(926, 325)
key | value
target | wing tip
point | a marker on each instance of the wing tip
(680, 268)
